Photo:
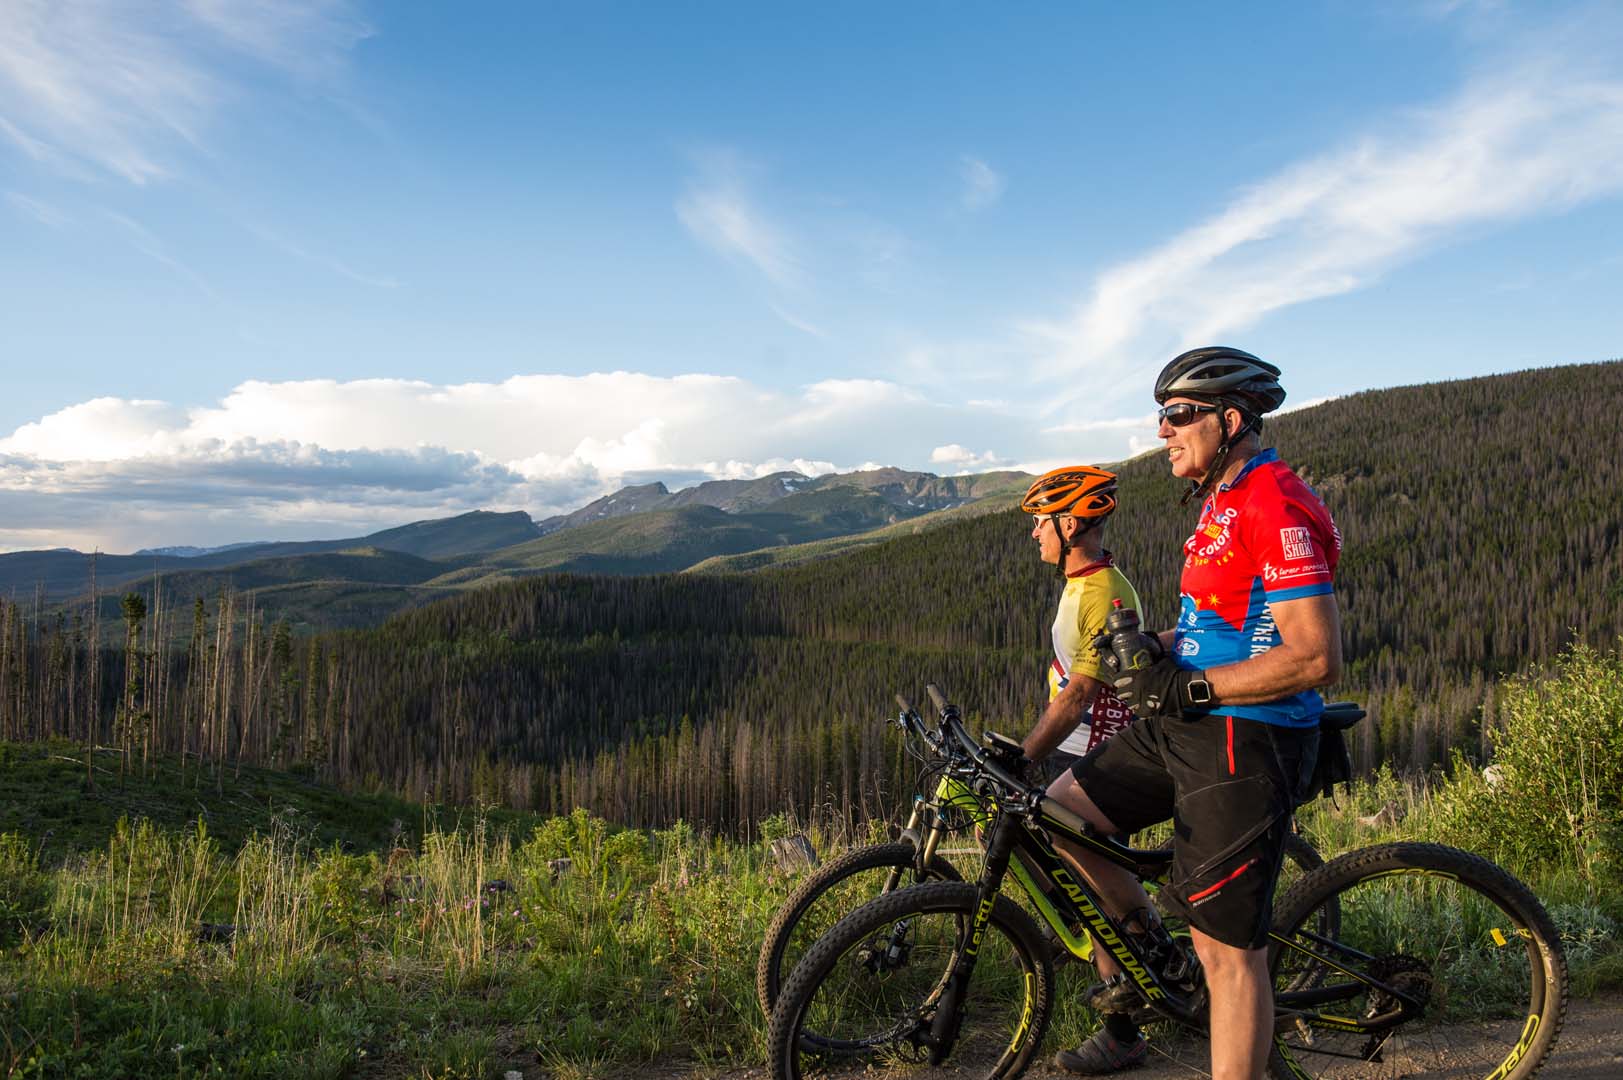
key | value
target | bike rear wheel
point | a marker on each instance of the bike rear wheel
(866, 994)
(828, 895)
(1441, 965)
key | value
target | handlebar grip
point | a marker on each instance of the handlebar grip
(936, 697)
(981, 757)
(907, 706)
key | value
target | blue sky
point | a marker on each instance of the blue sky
(313, 268)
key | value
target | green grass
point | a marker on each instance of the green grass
(44, 796)
(368, 940)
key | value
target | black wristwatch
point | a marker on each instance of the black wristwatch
(1198, 690)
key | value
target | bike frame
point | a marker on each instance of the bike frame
(1022, 827)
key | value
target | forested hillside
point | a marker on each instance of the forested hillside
(1479, 538)
(319, 585)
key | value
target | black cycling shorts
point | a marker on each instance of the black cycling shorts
(1229, 786)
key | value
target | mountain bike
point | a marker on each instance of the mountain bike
(1435, 962)
(838, 888)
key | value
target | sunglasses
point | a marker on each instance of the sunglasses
(1182, 414)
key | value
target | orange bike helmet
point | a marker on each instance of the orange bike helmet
(1079, 490)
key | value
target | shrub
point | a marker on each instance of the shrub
(25, 892)
(1553, 794)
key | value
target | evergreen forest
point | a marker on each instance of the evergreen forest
(1481, 524)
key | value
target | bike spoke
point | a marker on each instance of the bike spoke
(1426, 976)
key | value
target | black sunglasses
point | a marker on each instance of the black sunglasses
(1182, 413)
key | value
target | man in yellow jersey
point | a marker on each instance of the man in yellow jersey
(1069, 507)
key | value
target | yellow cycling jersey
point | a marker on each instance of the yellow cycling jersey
(1090, 594)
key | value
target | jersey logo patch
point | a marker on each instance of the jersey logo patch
(1298, 544)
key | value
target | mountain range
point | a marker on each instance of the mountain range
(1482, 537)
(355, 581)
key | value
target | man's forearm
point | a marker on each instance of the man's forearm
(1277, 673)
(1060, 718)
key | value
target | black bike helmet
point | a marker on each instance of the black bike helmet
(1219, 373)
(1225, 377)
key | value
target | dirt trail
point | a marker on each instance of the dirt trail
(1590, 1048)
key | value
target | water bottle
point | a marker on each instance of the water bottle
(1127, 641)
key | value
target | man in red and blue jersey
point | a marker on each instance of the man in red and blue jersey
(1228, 713)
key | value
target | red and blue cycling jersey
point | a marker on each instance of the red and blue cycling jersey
(1264, 538)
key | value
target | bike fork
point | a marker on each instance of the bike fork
(923, 848)
(949, 1006)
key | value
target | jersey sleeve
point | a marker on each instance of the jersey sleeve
(1295, 551)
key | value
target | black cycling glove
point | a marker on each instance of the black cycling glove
(1163, 689)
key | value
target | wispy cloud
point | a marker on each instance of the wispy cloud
(1542, 135)
(718, 211)
(798, 323)
(337, 266)
(121, 88)
(42, 212)
(148, 244)
(982, 184)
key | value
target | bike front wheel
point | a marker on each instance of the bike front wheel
(828, 895)
(1441, 964)
(868, 993)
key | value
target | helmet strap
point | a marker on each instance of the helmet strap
(1088, 525)
(1198, 489)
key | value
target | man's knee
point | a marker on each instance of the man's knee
(1069, 794)
(1223, 961)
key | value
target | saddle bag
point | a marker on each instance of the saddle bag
(1334, 764)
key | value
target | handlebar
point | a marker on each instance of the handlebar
(954, 725)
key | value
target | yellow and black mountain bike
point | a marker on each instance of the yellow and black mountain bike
(946, 805)
(1396, 960)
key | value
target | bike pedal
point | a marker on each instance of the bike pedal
(1115, 995)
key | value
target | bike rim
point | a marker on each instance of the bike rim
(1426, 974)
(874, 1006)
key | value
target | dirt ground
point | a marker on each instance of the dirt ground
(1590, 1048)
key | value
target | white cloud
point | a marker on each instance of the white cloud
(282, 459)
(719, 212)
(953, 456)
(983, 185)
(121, 87)
(42, 212)
(1146, 422)
(1539, 135)
(337, 266)
(798, 323)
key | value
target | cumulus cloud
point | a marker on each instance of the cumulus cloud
(109, 87)
(982, 184)
(320, 457)
(963, 459)
(1543, 134)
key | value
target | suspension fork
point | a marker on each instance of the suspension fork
(949, 1006)
(923, 846)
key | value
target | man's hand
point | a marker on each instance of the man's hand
(1107, 655)
(1162, 689)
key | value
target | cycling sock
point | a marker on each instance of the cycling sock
(1120, 1027)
